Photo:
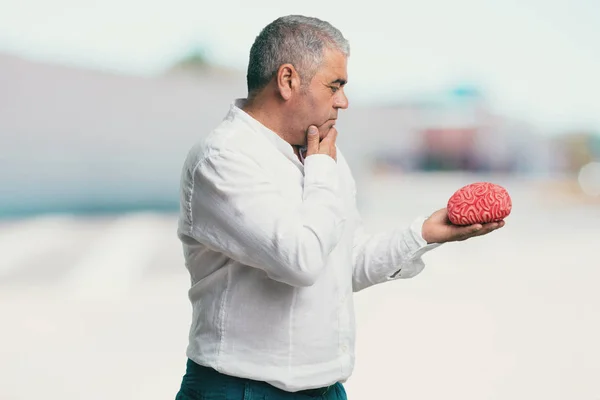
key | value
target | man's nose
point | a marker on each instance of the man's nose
(341, 101)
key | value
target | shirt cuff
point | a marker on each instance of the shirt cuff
(416, 247)
(416, 229)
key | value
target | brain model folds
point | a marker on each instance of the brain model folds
(479, 203)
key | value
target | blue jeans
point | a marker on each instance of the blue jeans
(203, 383)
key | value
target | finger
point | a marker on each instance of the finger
(490, 227)
(499, 225)
(465, 232)
(312, 140)
(327, 145)
(472, 229)
(335, 135)
(330, 137)
(332, 147)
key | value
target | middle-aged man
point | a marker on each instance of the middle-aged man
(271, 234)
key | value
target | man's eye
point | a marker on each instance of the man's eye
(334, 89)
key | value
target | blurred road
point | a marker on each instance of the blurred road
(96, 308)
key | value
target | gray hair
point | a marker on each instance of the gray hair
(292, 39)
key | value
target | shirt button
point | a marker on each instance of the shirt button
(344, 348)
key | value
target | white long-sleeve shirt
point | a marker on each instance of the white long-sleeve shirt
(275, 249)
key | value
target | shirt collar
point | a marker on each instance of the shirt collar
(284, 147)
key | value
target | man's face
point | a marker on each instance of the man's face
(318, 103)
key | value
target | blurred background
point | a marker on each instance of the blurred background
(100, 102)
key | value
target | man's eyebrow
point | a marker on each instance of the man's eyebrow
(342, 82)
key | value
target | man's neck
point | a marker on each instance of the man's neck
(263, 111)
(260, 111)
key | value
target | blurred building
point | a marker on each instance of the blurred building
(82, 141)
(458, 131)
(77, 140)
(577, 149)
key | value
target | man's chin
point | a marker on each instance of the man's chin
(326, 127)
(329, 125)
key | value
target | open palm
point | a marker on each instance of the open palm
(438, 228)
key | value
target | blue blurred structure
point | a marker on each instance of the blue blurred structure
(87, 142)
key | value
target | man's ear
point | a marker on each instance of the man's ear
(288, 81)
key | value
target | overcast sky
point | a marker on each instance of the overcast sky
(537, 60)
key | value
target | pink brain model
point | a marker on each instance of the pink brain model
(479, 203)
